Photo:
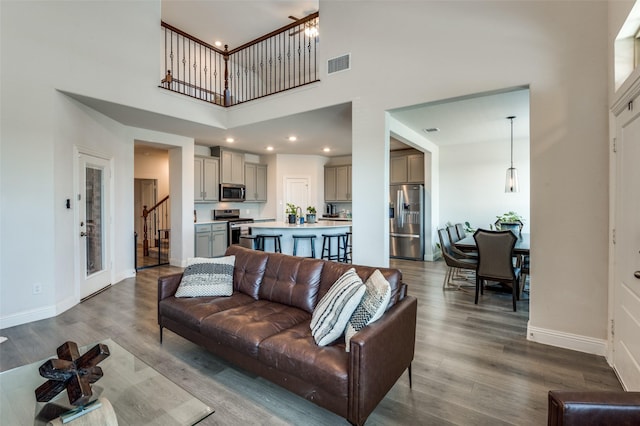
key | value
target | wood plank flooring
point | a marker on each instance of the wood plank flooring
(473, 364)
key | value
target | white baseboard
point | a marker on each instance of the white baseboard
(574, 342)
(27, 316)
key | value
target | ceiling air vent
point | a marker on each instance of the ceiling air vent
(339, 63)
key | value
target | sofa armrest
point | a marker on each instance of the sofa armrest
(568, 408)
(168, 285)
(379, 354)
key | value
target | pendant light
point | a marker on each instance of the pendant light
(511, 183)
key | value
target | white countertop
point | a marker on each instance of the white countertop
(208, 222)
(284, 225)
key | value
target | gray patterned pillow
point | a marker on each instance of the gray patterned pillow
(207, 277)
(332, 312)
(373, 304)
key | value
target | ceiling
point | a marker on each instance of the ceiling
(469, 119)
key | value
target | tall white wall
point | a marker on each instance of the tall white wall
(428, 51)
(48, 47)
(442, 50)
(472, 180)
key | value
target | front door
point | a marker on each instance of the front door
(626, 288)
(93, 226)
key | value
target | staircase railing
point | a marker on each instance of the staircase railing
(281, 60)
(155, 221)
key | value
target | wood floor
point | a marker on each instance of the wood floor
(473, 365)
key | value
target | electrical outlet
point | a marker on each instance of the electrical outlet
(37, 288)
(248, 211)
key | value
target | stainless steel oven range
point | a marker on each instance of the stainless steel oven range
(236, 225)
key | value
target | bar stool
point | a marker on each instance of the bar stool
(341, 244)
(249, 241)
(260, 238)
(312, 240)
(347, 254)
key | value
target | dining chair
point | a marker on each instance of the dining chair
(454, 263)
(454, 237)
(461, 232)
(495, 261)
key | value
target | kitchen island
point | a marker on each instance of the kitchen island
(289, 229)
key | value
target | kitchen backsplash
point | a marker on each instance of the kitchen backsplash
(251, 210)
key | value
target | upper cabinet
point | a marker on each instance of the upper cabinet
(337, 183)
(231, 165)
(206, 179)
(406, 168)
(255, 178)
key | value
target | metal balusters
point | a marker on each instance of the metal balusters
(263, 67)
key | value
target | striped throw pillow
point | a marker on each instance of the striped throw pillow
(373, 304)
(333, 311)
(207, 277)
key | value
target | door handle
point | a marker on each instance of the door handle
(83, 234)
(637, 274)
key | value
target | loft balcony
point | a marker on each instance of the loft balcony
(281, 60)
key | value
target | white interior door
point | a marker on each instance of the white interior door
(93, 227)
(626, 307)
(297, 192)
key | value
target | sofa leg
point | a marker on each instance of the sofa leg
(161, 334)
(410, 376)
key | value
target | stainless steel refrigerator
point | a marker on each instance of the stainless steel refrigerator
(406, 221)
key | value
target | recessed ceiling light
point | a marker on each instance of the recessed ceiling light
(269, 148)
(230, 140)
(218, 43)
(431, 129)
(327, 149)
(292, 138)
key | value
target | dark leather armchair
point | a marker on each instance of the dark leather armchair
(590, 408)
(495, 261)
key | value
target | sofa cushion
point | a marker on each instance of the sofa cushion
(249, 269)
(191, 310)
(333, 270)
(244, 327)
(371, 307)
(294, 281)
(294, 351)
(333, 311)
(207, 277)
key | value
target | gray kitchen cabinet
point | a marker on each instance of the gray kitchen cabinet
(210, 239)
(255, 178)
(337, 183)
(406, 169)
(206, 179)
(231, 165)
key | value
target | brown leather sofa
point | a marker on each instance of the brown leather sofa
(593, 408)
(263, 327)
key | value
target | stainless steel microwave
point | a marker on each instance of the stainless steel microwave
(232, 192)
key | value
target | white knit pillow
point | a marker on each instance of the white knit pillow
(332, 312)
(207, 277)
(371, 307)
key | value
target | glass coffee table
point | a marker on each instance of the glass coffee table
(138, 393)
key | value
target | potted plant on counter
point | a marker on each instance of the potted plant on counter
(311, 214)
(291, 212)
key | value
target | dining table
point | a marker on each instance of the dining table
(523, 244)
